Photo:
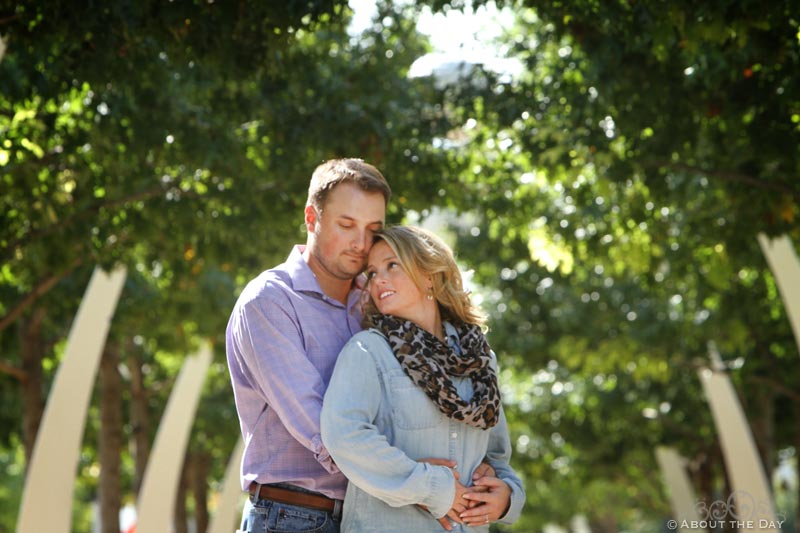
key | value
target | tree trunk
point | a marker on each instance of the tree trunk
(180, 503)
(140, 421)
(764, 428)
(704, 476)
(32, 351)
(110, 441)
(200, 465)
(606, 523)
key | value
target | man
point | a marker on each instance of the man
(283, 337)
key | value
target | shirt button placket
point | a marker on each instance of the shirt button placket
(453, 441)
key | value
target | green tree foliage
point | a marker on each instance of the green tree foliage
(616, 191)
(608, 200)
(177, 139)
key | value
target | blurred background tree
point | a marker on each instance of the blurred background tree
(608, 197)
(619, 185)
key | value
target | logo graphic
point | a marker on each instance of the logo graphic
(739, 511)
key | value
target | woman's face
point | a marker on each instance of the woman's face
(392, 290)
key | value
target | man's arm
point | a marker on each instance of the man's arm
(267, 335)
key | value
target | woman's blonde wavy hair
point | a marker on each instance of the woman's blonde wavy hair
(422, 254)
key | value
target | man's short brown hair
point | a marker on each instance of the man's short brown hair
(331, 173)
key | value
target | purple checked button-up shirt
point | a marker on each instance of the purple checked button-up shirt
(282, 341)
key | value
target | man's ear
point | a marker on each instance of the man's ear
(311, 218)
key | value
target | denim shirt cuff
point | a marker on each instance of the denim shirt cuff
(443, 490)
(515, 506)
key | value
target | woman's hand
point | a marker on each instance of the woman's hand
(492, 497)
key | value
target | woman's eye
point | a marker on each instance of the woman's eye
(370, 275)
(393, 265)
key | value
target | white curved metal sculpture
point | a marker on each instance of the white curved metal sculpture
(681, 494)
(229, 504)
(158, 493)
(751, 504)
(53, 467)
(785, 266)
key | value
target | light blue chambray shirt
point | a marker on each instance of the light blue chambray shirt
(377, 423)
(282, 341)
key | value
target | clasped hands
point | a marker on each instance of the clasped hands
(485, 501)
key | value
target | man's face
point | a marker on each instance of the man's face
(342, 233)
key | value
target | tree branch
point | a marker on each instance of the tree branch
(777, 386)
(8, 368)
(111, 204)
(9, 18)
(41, 288)
(736, 177)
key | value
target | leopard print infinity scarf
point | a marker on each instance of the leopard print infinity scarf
(430, 362)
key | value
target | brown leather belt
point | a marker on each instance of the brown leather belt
(303, 499)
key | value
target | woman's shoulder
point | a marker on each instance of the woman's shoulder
(369, 335)
(370, 340)
(368, 343)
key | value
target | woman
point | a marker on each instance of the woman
(420, 382)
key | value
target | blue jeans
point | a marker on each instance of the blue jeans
(267, 516)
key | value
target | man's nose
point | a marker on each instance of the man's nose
(361, 241)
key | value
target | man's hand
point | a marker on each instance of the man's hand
(439, 462)
(492, 497)
(459, 504)
(482, 470)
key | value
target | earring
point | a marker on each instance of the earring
(430, 295)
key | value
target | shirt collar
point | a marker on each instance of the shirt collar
(451, 334)
(303, 278)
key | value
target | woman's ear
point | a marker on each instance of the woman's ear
(429, 283)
